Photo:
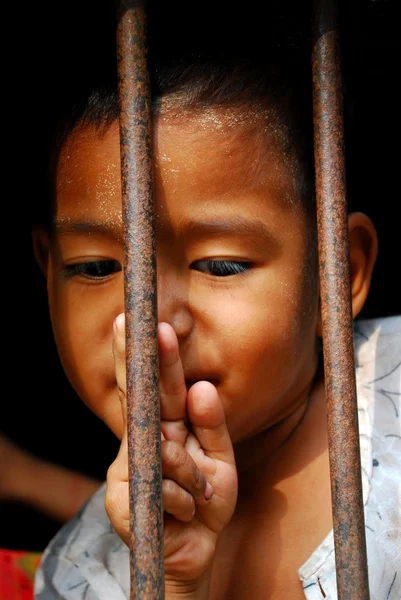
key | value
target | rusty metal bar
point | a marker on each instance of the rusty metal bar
(344, 450)
(143, 407)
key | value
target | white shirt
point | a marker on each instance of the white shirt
(378, 379)
(88, 561)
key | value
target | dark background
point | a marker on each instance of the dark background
(52, 48)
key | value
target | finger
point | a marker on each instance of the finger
(118, 470)
(116, 498)
(177, 501)
(180, 467)
(173, 392)
(119, 360)
(206, 414)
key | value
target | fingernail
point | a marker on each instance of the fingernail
(208, 491)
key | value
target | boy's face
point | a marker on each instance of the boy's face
(233, 264)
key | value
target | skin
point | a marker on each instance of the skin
(238, 353)
(49, 488)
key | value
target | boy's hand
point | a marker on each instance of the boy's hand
(199, 474)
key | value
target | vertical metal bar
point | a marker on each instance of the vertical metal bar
(143, 407)
(344, 451)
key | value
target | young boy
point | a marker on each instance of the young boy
(246, 487)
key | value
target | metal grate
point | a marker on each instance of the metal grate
(147, 576)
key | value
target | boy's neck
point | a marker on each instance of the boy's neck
(265, 447)
(278, 493)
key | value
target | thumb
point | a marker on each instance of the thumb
(117, 493)
(206, 414)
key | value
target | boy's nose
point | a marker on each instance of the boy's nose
(172, 305)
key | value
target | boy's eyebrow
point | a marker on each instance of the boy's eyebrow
(69, 226)
(193, 227)
(231, 224)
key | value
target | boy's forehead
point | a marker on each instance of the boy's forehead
(221, 146)
(210, 153)
(88, 174)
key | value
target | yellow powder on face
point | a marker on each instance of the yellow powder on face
(108, 186)
(85, 178)
(173, 108)
(252, 131)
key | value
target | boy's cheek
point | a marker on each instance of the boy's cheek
(99, 392)
(87, 358)
(110, 414)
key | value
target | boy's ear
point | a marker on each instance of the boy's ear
(363, 245)
(41, 247)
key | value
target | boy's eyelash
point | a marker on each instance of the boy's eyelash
(221, 268)
(95, 269)
(101, 269)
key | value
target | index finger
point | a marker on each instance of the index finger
(119, 362)
(173, 391)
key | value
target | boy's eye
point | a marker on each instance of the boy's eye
(96, 269)
(221, 268)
